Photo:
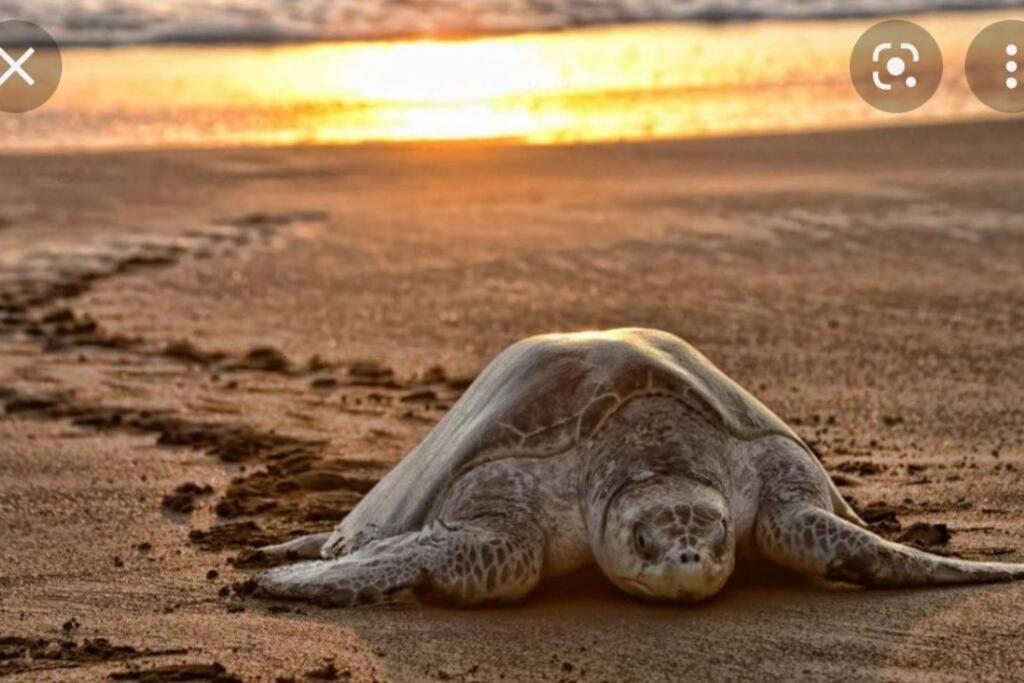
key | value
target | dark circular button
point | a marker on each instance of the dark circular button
(30, 66)
(995, 66)
(896, 66)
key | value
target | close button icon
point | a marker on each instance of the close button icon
(16, 66)
(30, 66)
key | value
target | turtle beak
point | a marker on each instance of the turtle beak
(634, 586)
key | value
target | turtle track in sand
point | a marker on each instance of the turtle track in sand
(21, 655)
(285, 484)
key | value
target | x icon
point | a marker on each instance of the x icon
(16, 66)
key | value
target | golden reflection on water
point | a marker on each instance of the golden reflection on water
(637, 82)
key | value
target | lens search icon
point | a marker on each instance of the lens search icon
(896, 66)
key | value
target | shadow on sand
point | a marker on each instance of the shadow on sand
(764, 627)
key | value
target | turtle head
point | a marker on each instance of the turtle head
(667, 538)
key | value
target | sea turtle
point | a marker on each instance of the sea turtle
(626, 447)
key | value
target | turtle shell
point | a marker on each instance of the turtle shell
(539, 398)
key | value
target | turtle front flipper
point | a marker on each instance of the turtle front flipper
(466, 564)
(336, 583)
(808, 539)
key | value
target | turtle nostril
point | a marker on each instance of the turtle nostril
(686, 558)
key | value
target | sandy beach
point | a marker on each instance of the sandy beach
(204, 350)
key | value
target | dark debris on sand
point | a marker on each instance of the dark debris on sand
(263, 221)
(230, 442)
(296, 466)
(324, 383)
(926, 536)
(183, 499)
(372, 373)
(328, 672)
(881, 518)
(232, 535)
(185, 350)
(63, 328)
(33, 290)
(23, 654)
(264, 358)
(861, 468)
(70, 275)
(843, 481)
(298, 489)
(257, 359)
(211, 673)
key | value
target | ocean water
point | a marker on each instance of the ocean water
(621, 80)
(649, 81)
(105, 22)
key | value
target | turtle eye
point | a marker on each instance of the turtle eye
(642, 540)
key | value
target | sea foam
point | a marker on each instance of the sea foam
(112, 22)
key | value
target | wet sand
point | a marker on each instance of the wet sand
(201, 350)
